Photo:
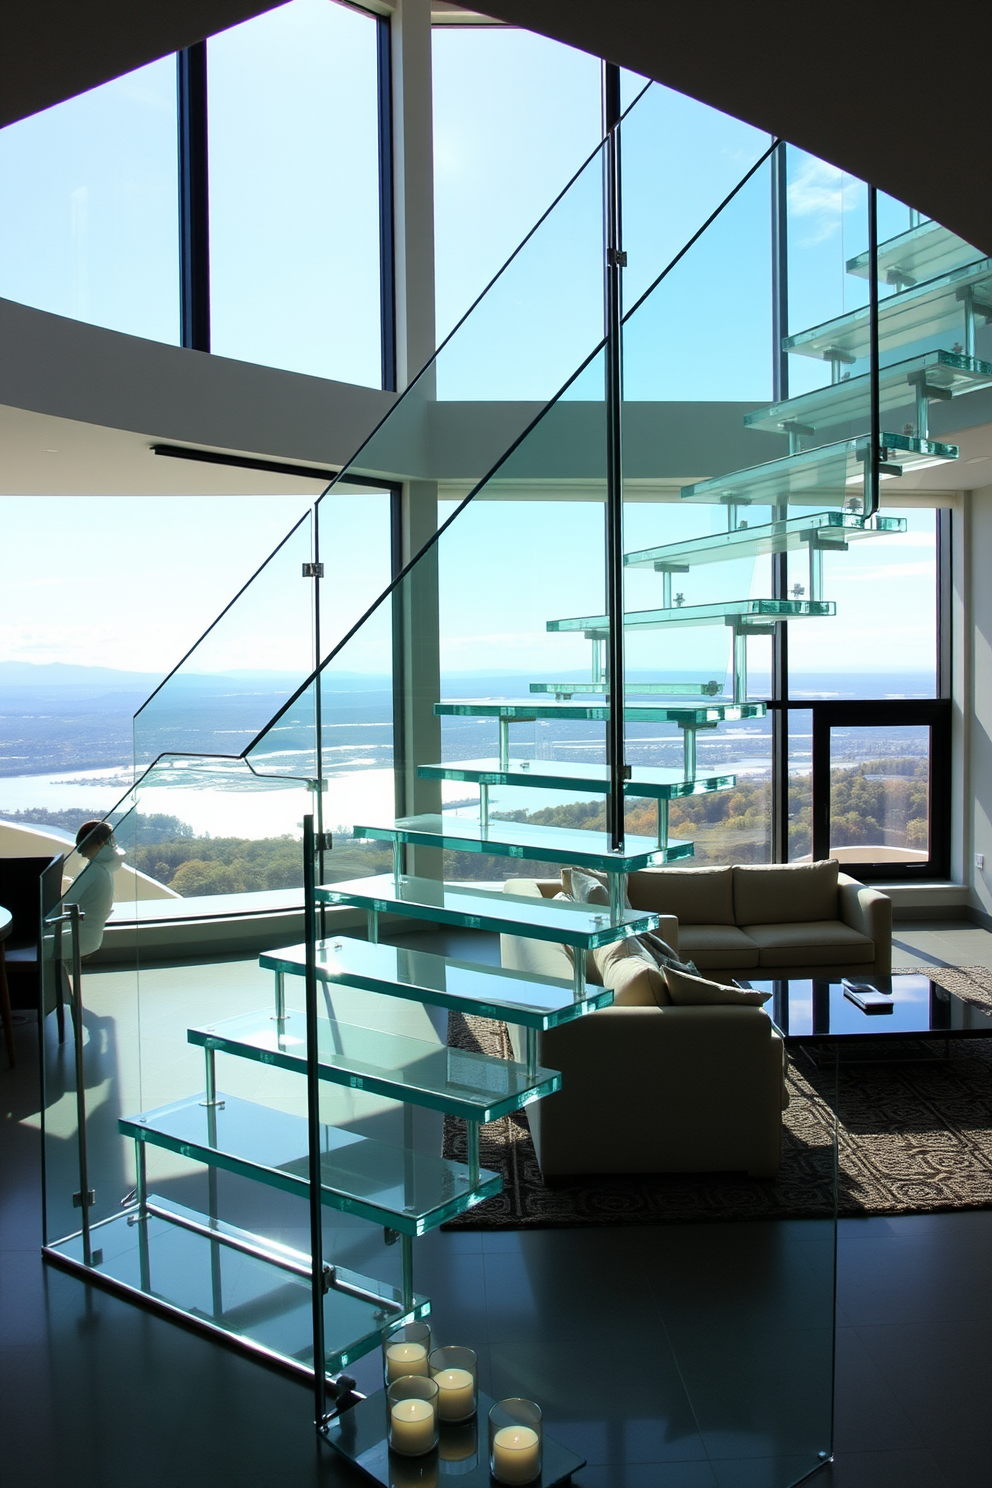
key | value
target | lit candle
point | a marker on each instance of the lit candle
(412, 1428)
(515, 1454)
(405, 1358)
(456, 1394)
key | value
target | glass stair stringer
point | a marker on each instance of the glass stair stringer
(465, 907)
(524, 998)
(829, 476)
(922, 252)
(457, 1082)
(237, 1285)
(527, 840)
(914, 383)
(688, 716)
(948, 305)
(820, 532)
(660, 785)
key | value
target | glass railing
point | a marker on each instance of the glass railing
(441, 709)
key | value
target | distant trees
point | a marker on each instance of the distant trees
(882, 803)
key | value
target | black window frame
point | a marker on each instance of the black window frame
(934, 714)
(192, 83)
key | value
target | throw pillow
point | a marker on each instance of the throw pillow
(631, 974)
(689, 991)
(586, 886)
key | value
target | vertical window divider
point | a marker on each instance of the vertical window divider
(194, 199)
(780, 561)
(387, 239)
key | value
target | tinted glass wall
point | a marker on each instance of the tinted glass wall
(294, 191)
(89, 204)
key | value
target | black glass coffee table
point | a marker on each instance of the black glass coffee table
(805, 1010)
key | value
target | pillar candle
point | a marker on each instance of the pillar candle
(412, 1427)
(405, 1358)
(515, 1454)
(456, 1394)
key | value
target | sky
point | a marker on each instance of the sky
(89, 230)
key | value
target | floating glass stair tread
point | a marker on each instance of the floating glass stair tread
(840, 402)
(409, 1191)
(634, 689)
(741, 611)
(477, 909)
(920, 253)
(524, 998)
(528, 840)
(785, 536)
(929, 309)
(831, 475)
(657, 783)
(687, 715)
(460, 1083)
(242, 1295)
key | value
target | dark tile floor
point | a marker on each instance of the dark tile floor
(682, 1357)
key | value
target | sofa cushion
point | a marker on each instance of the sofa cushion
(586, 886)
(630, 973)
(690, 991)
(695, 896)
(781, 892)
(716, 947)
(816, 942)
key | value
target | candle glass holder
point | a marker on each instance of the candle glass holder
(516, 1434)
(456, 1371)
(411, 1415)
(405, 1351)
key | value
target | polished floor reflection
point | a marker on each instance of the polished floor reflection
(681, 1356)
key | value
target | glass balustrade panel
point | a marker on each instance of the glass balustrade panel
(257, 652)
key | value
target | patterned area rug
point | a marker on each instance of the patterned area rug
(914, 1137)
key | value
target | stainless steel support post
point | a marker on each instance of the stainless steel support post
(662, 823)
(140, 1178)
(968, 300)
(397, 863)
(666, 589)
(815, 570)
(598, 670)
(578, 973)
(85, 1197)
(922, 411)
(141, 1193)
(689, 753)
(483, 804)
(618, 892)
(210, 1080)
(504, 743)
(613, 336)
(313, 1131)
(280, 996)
(472, 1141)
(406, 1265)
(740, 664)
(372, 924)
(872, 466)
(530, 1051)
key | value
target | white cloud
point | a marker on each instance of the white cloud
(822, 193)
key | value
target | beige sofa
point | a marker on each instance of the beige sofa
(782, 920)
(665, 1089)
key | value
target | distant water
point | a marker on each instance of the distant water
(366, 790)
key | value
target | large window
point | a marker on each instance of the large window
(515, 115)
(89, 224)
(294, 191)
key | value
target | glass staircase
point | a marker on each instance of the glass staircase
(390, 860)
